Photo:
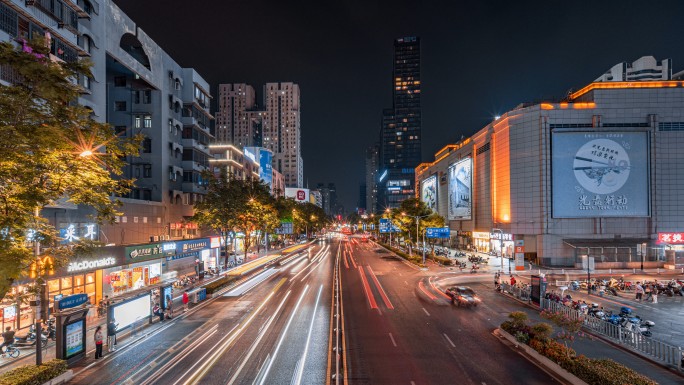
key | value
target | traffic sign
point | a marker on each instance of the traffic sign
(436, 232)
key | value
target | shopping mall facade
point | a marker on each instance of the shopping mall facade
(597, 175)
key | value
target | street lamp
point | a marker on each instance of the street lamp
(501, 249)
(417, 218)
(391, 227)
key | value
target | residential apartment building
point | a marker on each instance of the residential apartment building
(372, 167)
(140, 90)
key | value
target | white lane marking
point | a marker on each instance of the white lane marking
(312, 270)
(262, 332)
(284, 333)
(250, 284)
(450, 341)
(300, 371)
(392, 338)
(426, 312)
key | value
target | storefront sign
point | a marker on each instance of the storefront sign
(91, 265)
(215, 242)
(671, 238)
(143, 252)
(462, 233)
(501, 236)
(73, 301)
(169, 248)
(183, 255)
(480, 235)
(193, 245)
(72, 232)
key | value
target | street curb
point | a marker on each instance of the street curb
(537, 359)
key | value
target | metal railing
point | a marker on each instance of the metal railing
(660, 351)
(521, 293)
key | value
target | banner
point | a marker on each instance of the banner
(600, 174)
(428, 192)
(460, 190)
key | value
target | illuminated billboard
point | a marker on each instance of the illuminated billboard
(460, 190)
(265, 166)
(600, 174)
(299, 194)
(428, 192)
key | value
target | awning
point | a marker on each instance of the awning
(605, 242)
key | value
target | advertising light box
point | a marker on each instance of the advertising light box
(428, 192)
(600, 174)
(460, 190)
(126, 313)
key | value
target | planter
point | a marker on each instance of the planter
(545, 362)
(62, 378)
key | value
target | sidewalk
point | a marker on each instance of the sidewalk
(598, 348)
(128, 336)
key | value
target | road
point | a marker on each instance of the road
(397, 334)
(276, 328)
(273, 329)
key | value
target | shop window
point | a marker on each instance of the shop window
(66, 282)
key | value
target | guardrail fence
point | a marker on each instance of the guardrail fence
(665, 353)
(521, 293)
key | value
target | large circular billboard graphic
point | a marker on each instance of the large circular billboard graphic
(601, 166)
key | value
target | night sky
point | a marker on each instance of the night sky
(478, 60)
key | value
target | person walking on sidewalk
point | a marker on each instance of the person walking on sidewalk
(111, 335)
(98, 342)
(169, 307)
(186, 299)
(639, 291)
(654, 293)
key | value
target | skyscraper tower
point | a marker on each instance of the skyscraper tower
(400, 134)
(237, 122)
(281, 131)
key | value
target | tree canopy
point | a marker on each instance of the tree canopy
(53, 149)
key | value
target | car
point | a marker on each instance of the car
(462, 296)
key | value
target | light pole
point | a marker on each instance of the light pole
(417, 218)
(501, 248)
(389, 214)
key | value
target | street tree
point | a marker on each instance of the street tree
(53, 149)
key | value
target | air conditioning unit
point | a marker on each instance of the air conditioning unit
(154, 238)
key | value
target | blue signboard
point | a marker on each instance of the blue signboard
(73, 301)
(436, 232)
(285, 228)
(385, 226)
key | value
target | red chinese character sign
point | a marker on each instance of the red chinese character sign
(671, 238)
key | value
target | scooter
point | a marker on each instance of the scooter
(636, 324)
(28, 340)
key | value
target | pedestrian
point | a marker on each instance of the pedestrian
(98, 342)
(156, 310)
(496, 281)
(648, 291)
(186, 299)
(654, 294)
(111, 335)
(169, 307)
(7, 339)
(512, 280)
(639, 291)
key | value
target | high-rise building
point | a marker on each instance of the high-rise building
(361, 204)
(274, 125)
(372, 165)
(400, 134)
(281, 131)
(233, 121)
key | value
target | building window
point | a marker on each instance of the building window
(137, 121)
(148, 121)
(147, 96)
(120, 106)
(147, 171)
(147, 145)
(147, 195)
(120, 130)
(119, 81)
